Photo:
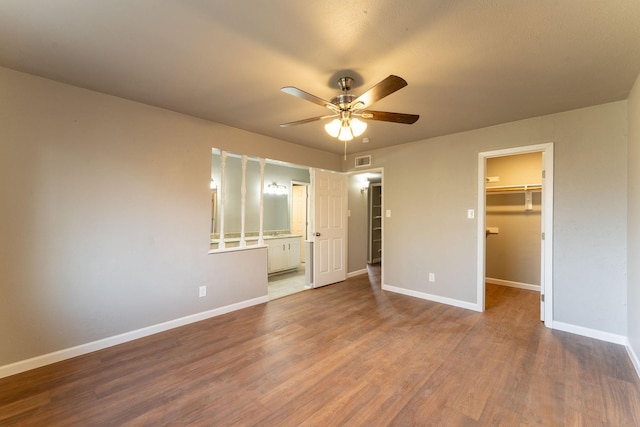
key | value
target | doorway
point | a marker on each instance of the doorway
(507, 204)
(293, 281)
(366, 221)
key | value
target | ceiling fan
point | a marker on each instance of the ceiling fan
(347, 109)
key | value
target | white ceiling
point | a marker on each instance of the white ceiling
(469, 64)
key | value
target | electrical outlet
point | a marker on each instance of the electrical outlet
(202, 291)
(432, 277)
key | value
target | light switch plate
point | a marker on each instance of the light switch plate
(471, 214)
(387, 213)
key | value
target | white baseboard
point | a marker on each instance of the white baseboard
(357, 272)
(57, 356)
(512, 284)
(591, 333)
(634, 357)
(434, 298)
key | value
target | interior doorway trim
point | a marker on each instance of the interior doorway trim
(546, 258)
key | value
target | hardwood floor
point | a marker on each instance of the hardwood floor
(346, 354)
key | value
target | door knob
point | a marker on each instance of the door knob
(317, 234)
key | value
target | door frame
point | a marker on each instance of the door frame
(546, 256)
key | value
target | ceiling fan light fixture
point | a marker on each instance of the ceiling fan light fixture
(345, 132)
(357, 127)
(348, 110)
(333, 127)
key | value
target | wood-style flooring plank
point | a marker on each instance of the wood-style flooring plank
(345, 354)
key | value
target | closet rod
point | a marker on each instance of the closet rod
(514, 188)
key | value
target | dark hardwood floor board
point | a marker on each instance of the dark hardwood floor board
(341, 410)
(471, 398)
(622, 401)
(583, 399)
(544, 403)
(499, 416)
(512, 305)
(323, 389)
(322, 364)
(56, 377)
(397, 386)
(428, 406)
(345, 354)
(22, 408)
(334, 396)
(574, 418)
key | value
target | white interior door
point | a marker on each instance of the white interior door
(329, 227)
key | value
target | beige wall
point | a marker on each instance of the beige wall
(633, 291)
(516, 169)
(106, 216)
(430, 185)
(514, 253)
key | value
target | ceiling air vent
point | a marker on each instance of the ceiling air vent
(363, 161)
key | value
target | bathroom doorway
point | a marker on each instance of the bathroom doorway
(292, 281)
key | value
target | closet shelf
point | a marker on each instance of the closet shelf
(513, 188)
(374, 222)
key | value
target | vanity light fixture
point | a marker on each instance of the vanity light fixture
(277, 189)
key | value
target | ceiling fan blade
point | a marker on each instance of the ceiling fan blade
(384, 88)
(312, 119)
(385, 116)
(305, 95)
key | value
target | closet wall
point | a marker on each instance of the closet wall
(513, 254)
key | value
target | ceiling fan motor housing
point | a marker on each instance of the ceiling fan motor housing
(343, 100)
